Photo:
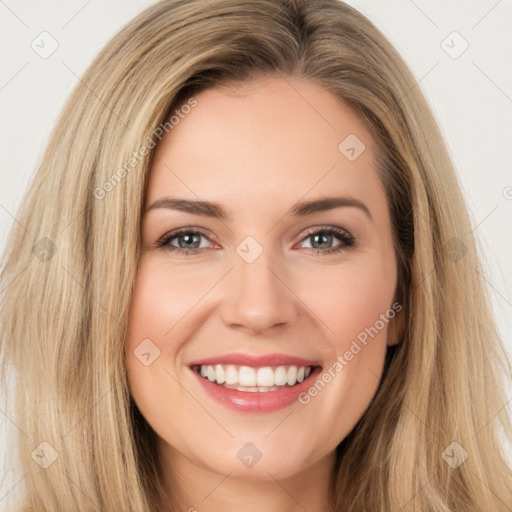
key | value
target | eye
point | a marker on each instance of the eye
(324, 236)
(189, 240)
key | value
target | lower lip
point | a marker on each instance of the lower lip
(247, 401)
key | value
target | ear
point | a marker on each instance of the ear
(396, 328)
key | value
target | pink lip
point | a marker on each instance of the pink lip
(255, 361)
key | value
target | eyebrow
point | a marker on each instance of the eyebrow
(299, 209)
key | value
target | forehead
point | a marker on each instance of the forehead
(274, 138)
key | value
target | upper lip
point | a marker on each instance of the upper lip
(255, 361)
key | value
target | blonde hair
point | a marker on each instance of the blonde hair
(71, 260)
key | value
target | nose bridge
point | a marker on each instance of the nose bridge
(256, 295)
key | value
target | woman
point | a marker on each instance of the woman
(251, 369)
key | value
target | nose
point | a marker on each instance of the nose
(257, 296)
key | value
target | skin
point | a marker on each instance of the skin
(257, 149)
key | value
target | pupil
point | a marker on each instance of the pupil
(316, 237)
(188, 239)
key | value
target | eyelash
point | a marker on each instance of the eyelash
(344, 236)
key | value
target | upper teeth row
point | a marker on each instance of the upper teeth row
(249, 376)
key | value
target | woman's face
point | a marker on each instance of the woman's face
(275, 285)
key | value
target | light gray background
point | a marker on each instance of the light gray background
(471, 96)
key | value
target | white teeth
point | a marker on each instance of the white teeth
(220, 374)
(231, 374)
(265, 376)
(280, 376)
(292, 375)
(247, 378)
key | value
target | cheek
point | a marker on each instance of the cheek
(354, 303)
(163, 316)
(350, 299)
(164, 296)
(153, 313)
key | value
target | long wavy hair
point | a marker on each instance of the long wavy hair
(69, 268)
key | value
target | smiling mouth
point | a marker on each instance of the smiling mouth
(254, 379)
